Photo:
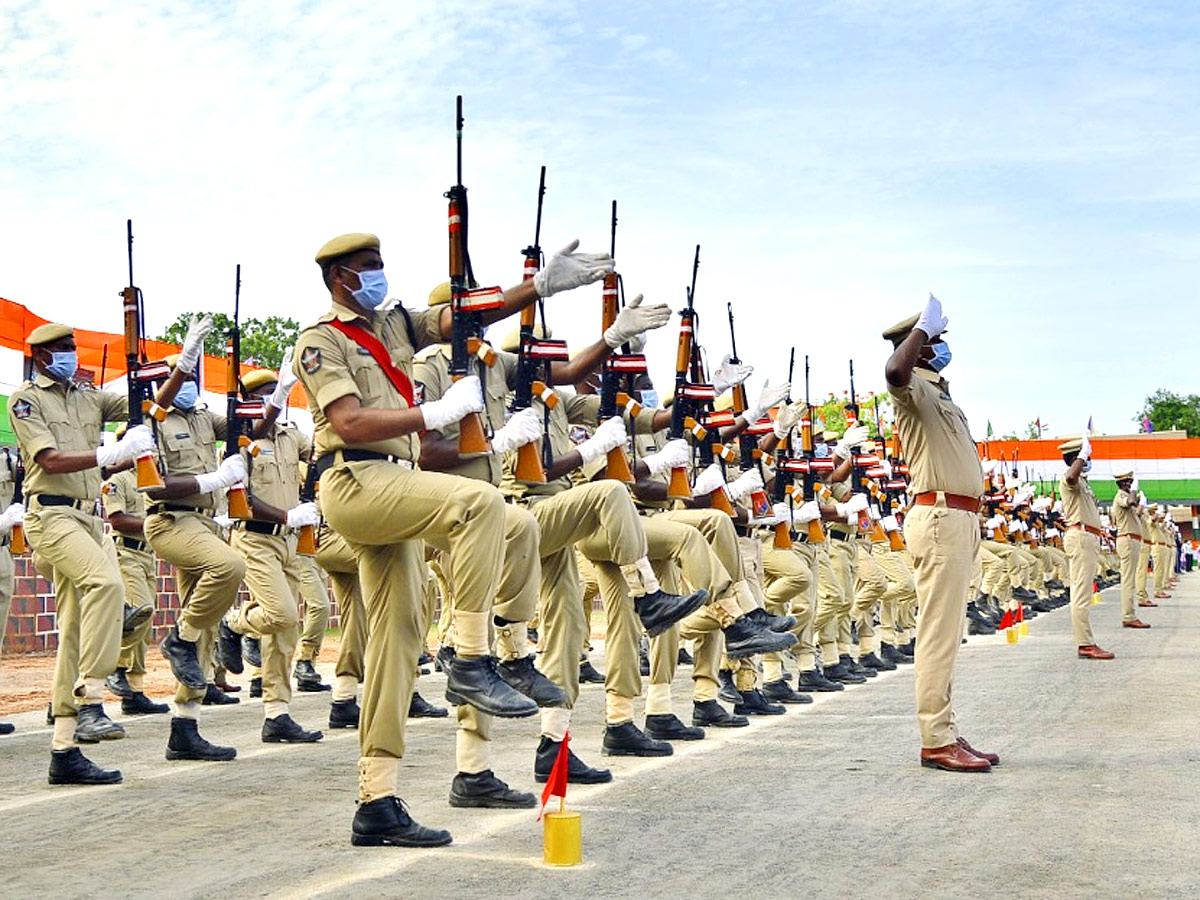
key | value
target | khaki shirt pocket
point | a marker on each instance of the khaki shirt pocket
(368, 377)
(182, 452)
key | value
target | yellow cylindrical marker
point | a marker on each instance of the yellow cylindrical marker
(1024, 629)
(563, 838)
(1095, 598)
(1011, 635)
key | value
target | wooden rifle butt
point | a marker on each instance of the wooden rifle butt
(529, 465)
(148, 477)
(617, 468)
(16, 540)
(306, 542)
(239, 505)
(678, 488)
(783, 540)
(472, 441)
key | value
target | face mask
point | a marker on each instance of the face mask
(821, 450)
(941, 356)
(650, 399)
(187, 396)
(373, 290)
(1087, 467)
(63, 364)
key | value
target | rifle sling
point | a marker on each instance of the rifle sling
(372, 345)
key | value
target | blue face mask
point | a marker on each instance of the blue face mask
(821, 450)
(650, 399)
(187, 396)
(941, 356)
(63, 364)
(373, 290)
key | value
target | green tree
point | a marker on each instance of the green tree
(263, 341)
(1167, 410)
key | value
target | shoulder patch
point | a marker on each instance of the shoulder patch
(21, 409)
(310, 359)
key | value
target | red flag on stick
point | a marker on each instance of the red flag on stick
(556, 784)
(1006, 621)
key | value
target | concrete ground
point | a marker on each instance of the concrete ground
(1097, 795)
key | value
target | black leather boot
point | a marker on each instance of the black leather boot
(185, 742)
(386, 822)
(286, 730)
(94, 726)
(181, 655)
(483, 790)
(668, 727)
(344, 713)
(522, 675)
(627, 739)
(660, 610)
(711, 714)
(578, 772)
(72, 767)
(229, 648)
(138, 704)
(478, 683)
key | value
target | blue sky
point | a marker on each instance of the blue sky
(1034, 164)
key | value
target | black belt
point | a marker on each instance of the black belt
(261, 527)
(6, 540)
(156, 508)
(841, 535)
(331, 459)
(131, 543)
(87, 506)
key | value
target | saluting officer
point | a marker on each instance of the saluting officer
(942, 529)
(1082, 541)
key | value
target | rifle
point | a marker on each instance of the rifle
(712, 422)
(306, 542)
(237, 411)
(816, 533)
(749, 455)
(619, 369)
(140, 375)
(16, 540)
(686, 393)
(466, 307)
(785, 471)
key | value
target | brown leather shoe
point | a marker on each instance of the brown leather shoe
(227, 687)
(1162, 595)
(953, 758)
(1092, 651)
(992, 758)
(1147, 603)
(1134, 623)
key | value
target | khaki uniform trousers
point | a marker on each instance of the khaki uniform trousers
(900, 598)
(591, 592)
(1163, 565)
(843, 560)
(718, 569)
(383, 511)
(208, 573)
(830, 598)
(870, 585)
(516, 602)
(72, 550)
(273, 611)
(745, 669)
(942, 542)
(316, 607)
(790, 588)
(1128, 552)
(1083, 550)
(140, 578)
(336, 557)
(994, 559)
(1144, 553)
(601, 519)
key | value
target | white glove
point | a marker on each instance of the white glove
(746, 483)
(463, 397)
(886, 466)
(193, 344)
(889, 523)
(523, 427)
(223, 521)
(874, 513)
(1142, 497)
(136, 442)
(808, 512)
(786, 420)
(852, 438)
(637, 343)
(1085, 451)
(767, 398)
(567, 270)
(988, 466)
(1133, 487)
(708, 481)
(856, 504)
(609, 435)
(14, 515)
(1051, 532)
(730, 374)
(782, 512)
(674, 455)
(231, 471)
(304, 514)
(287, 381)
(931, 321)
(636, 319)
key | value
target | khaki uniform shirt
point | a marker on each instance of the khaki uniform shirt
(49, 415)
(330, 366)
(433, 375)
(1124, 518)
(120, 495)
(188, 444)
(645, 442)
(8, 469)
(937, 440)
(1079, 503)
(275, 471)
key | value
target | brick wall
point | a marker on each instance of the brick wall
(32, 626)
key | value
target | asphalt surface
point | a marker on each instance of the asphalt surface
(1097, 795)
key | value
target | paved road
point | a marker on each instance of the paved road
(1097, 796)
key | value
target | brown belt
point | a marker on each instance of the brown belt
(1130, 534)
(1090, 529)
(954, 501)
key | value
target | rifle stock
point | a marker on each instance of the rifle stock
(137, 375)
(531, 465)
(16, 541)
(235, 438)
(306, 541)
